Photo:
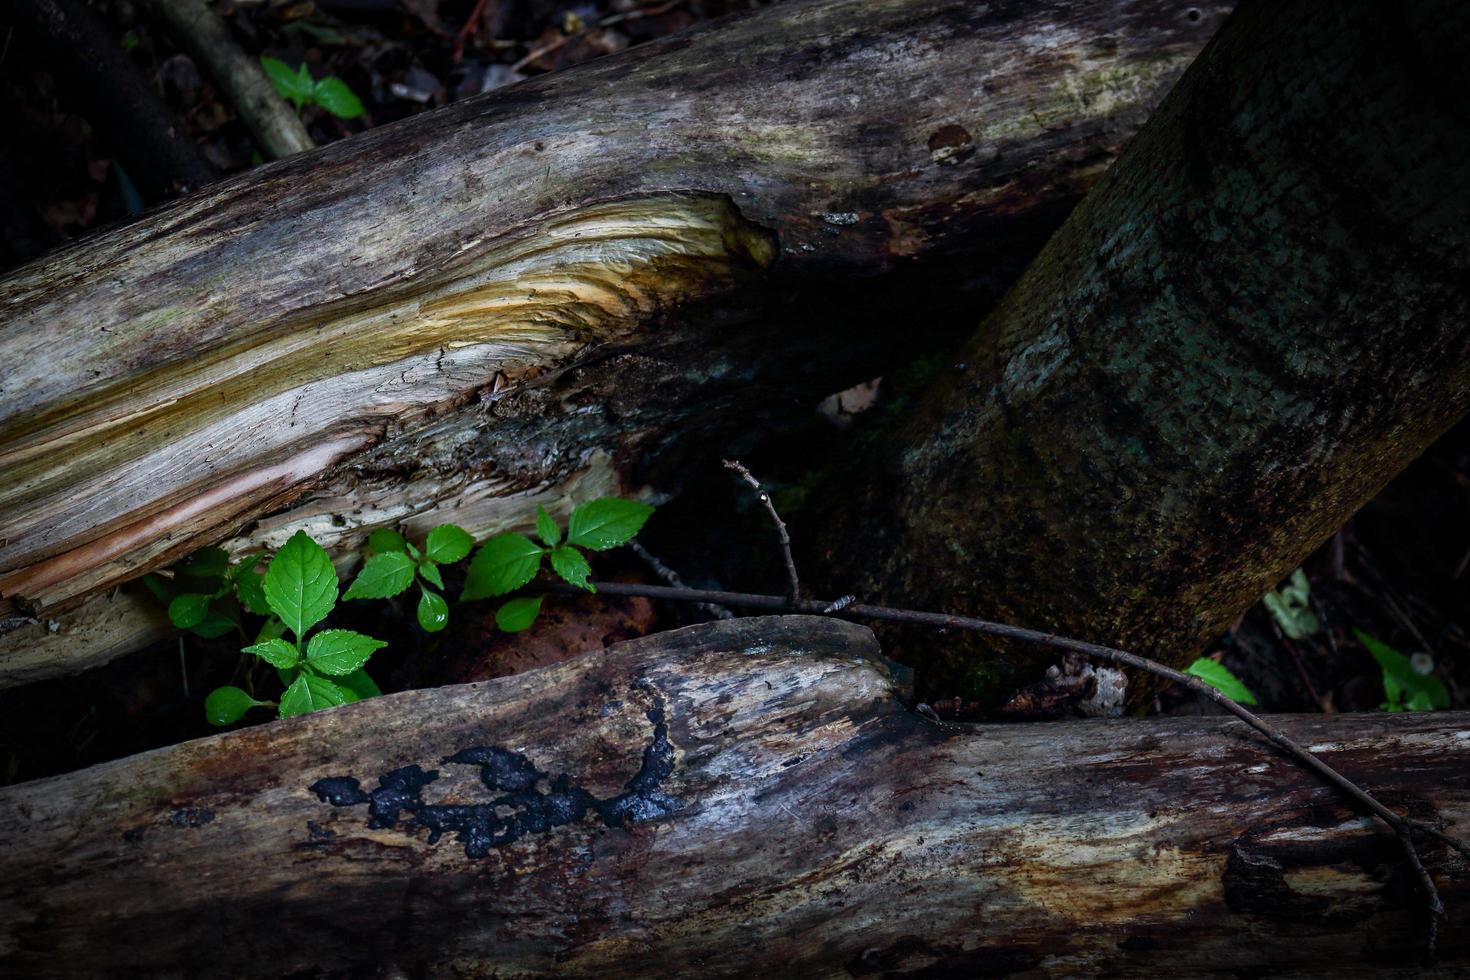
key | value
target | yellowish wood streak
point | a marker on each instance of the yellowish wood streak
(119, 478)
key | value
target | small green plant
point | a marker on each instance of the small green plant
(208, 595)
(301, 90)
(198, 597)
(1290, 606)
(393, 564)
(508, 561)
(1218, 676)
(321, 670)
(1404, 688)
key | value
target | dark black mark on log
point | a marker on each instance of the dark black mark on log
(533, 810)
(191, 816)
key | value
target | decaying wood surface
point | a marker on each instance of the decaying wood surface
(745, 798)
(440, 318)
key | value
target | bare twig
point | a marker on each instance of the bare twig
(1301, 667)
(793, 584)
(470, 24)
(1403, 827)
(556, 45)
(672, 578)
(206, 37)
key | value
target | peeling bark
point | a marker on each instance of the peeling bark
(734, 799)
(553, 282)
(1258, 318)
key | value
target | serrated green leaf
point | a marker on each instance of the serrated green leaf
(430, 572)
(517, 614)
(1221, 679)
(250, 586)
(188, 610)
(448, 543)
(289, 84)
(360, 684)
(606, 522)
(309, 692)
(386, 539)
(277, 652)
(225, 705)
(333, 95)
(546, 528)
(572, 565)
(301, 584)
(340, 652)
(504, 563)
(215, 625)
(1403, 686)
(433, 611)
(382, 576)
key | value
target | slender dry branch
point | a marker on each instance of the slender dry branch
(672, 578)
(1403, 827)
(201, 32)
(793, 584)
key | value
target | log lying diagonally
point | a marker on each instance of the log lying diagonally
(742, 798)
(520, 290)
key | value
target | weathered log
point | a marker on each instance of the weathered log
(421, 322)
(745, 798)
(1256, 320)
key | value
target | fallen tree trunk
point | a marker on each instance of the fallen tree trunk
(1259, 318)
(534, 287)
(734, 799)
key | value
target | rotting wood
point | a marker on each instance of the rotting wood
(489, 300)
(746, 797)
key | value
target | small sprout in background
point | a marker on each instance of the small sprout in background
(1218, 676)
(1290, 606)
(1405, 688)
(301, 90)
(508, 561)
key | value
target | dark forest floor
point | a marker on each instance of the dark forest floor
(1398, 570)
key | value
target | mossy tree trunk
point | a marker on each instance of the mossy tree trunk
(1259, 316)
